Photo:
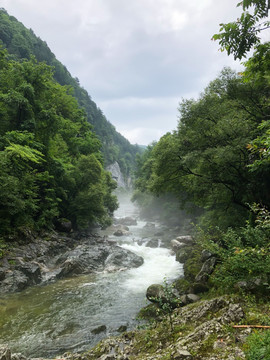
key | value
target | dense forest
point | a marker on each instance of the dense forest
(22, 43)
(217, 162)
(51, 164)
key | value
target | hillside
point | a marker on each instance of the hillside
(22, 43)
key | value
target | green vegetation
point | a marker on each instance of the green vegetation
(240, 36)
(51, 165)
(258, 346)
(217, 165)
(22, 43)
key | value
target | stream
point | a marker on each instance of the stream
(46, 321)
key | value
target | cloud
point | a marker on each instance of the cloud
(137, 59)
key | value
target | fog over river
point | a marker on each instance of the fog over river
(49, 320)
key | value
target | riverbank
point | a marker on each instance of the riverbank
(56, 256)
(204, 330)
(90, 288)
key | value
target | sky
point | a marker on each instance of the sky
(136, 58)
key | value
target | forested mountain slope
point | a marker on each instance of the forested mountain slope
(22, 43)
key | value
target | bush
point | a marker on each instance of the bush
(258, 346)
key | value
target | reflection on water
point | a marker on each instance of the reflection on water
(49, 320)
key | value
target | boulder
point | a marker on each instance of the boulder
(186, 239)
(153, 243)
(83, 259)
(64, 225)
(120, 232)
(198, 288)
(189, 299)
(183, 254)
(99, 329)
(14, 281)
(121, 258)
(206, 270)
(122, 328)
(256, 285)
(31, 270)
(182, 354)
(176, 245)
(155, 292)
(206, 254)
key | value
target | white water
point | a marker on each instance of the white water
(49, 320)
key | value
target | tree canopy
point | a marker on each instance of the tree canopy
(51, 164)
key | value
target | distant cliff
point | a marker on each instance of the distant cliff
(117, 175)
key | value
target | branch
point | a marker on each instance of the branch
(251, 326)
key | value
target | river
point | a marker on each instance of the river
(50, 320)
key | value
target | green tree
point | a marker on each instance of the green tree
(240, 36)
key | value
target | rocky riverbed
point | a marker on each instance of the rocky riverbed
(43, 261)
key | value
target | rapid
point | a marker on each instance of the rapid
(74, 314)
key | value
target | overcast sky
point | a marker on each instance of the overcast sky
(136, 58)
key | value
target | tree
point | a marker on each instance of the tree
(239, 37)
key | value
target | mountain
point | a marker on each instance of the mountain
(22, 43)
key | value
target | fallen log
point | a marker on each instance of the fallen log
(251, 326)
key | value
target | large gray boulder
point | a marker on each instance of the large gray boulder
(185, 239)
(155, 293)
(84, 259)
(121, 258)
(206, 270)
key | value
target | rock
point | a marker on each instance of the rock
(129, 221)
(183, 254)
(5, 353)
(31, 270)
(108, 357)
(189, 299)
(2, 273)
(120, 232)
(155, 292)
(117, 175)
(182, 355)
(206, 270)
(99, 329)
(176, 245)
(153, 243)
(256, 286)
(64, 225)
(83, 259)
(123, 258)
(185, 239)
(122, 328)
(199, 288)
(18, 356)
(206, 254)
(233, 315)
(14, 281)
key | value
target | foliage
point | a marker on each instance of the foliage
(206, 163)
(243, 255)
(257, 346)
(22, 43)
(51, 165)
(167, 302)
(239, 37)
